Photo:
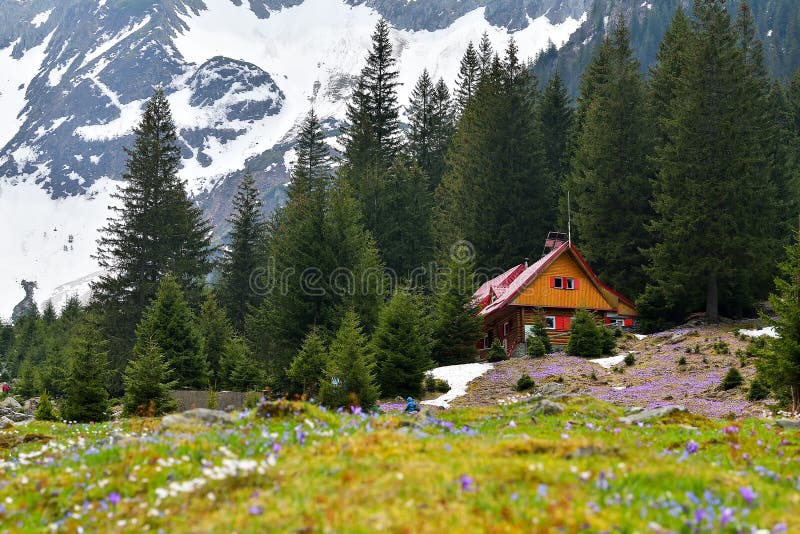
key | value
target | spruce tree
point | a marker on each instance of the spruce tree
(45, 411)
(779, 364)
(241, 256)
(486, 54)
(714, 194)
(610, 179)
(402, 345)
(456, 327)
(308, 366)
(170, 324)
(469, 73)
(497, 170)
(156, 229)
(555, 115)
(86, 398)
(349, 378)
(430, 126)
(215, 332)
(148, 382)
(669, 68)
(239, 370)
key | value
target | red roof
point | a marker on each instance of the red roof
(511, 283)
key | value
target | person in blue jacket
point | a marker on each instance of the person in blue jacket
(411, 406)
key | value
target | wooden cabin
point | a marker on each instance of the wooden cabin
(548, 291)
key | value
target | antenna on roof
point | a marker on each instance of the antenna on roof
(569, 221)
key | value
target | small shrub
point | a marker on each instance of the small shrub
(540, 332)
(682, 361)
(630, 359)
(524, 383)
(535, 347)
(759, 389)
(587, 338)
(733, 379)
(697, 348)
(705, 360)
(213, 399)
(496, 353)
(688, 350)
(435, 385)
(593, 376)
(45, 411)
(609, 340)
(721, 347)
(251, 399)
(618, 332)
(560, 379)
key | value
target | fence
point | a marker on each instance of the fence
(226, 400)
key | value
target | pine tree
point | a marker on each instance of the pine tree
(585, 336)
(555, 114)
(402, 345)
(241, 256)
(468, 76)
(456, 327)
(169, 323)
(215, 332)
(87, 397)
(45, 411)
(148, 382)
(714, 194)
(421, 123)
(372, 134)
(486, 54)
(497, 170)
(240, 371)
(668, 71)
(155, 230)
(779, 364)
(349, 378)
(610, 178)
(308, 366)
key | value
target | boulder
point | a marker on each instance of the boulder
(633, 409)
(546, 407)
(5, 422)
(551, 389)
(788, 424)
(18, 417)
(11, 403)
(198, 416)
(645, 416)
(30, 405)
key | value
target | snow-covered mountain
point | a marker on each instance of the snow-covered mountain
(239, 74)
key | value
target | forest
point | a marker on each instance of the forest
(683, 194)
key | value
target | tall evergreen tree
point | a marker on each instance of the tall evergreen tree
(714, 194)
(779, 363)
(402, 345)
(156, 229)
(308, 367)
(486, 54)
(498, 178)
(610, 178)
(469, 73)
(555, 114)
(241, 256)
(349, 378)
(169, 323)
(457, 327)
(87, 397)
(215, 333)
(148, 382)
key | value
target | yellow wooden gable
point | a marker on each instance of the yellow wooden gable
(586, 295)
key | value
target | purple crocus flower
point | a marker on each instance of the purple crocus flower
(692, 447)
(355, 410)
(541, 491)
(726, 517)
(114, 498)
(256, 510)
(747, 494)
(467, 483)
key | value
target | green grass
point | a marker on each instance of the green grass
(479, 469)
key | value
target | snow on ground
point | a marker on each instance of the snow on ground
(36, 236)
(611, 361)
(768, 331)
(458, 376)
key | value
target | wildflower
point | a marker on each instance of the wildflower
(747, 494)
(541, 491)
(467, 483)
(114, 498)
(726, 517)
(692, 447)
(256, 510)
(356, 410)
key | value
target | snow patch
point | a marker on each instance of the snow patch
(107, 42)
(41, 18)
(40, 243)
(458, 376)
(611, 361)
(768, 331)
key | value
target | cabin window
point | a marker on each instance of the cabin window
(506, 328)
(557, 282)
(487, 342)
(570, 283)
(550, 323)
(617, 322)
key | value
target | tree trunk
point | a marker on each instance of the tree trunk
(712, 299)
